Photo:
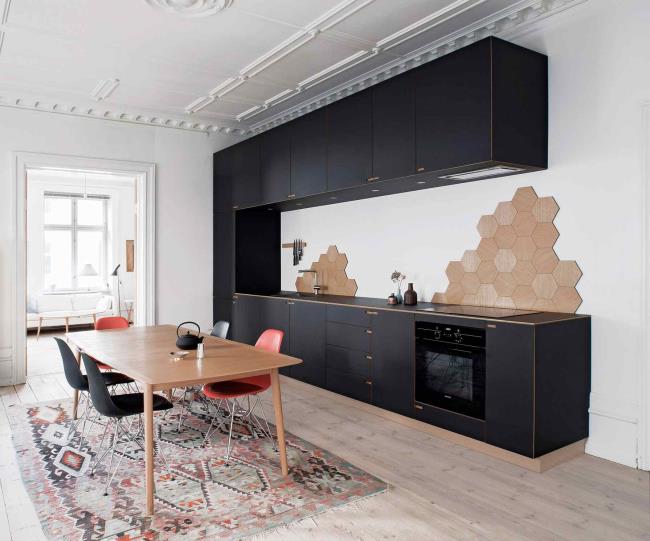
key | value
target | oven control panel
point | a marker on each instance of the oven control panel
(450, 334)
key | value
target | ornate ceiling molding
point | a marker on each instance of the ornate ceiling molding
(3, 21)
(508, 22)
(191, 8)
(103, 113)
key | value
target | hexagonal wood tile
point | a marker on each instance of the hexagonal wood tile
(470, 260)
(505, 213)
(505, 236)
(524, 223)
(545, 260)
(487, 226)
(567, 273)
(524, 199)
(545, 209)
(514, 264)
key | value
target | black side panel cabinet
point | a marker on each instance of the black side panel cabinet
(349, 148)
(223, 180)
(309, 154)
(308, 342)
(392, 361)
(393, 128)
(509, 387)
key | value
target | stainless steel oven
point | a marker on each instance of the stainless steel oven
(450, 368)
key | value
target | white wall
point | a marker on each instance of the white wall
(183, 203)
(599, 67)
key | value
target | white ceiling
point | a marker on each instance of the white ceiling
(251, 65)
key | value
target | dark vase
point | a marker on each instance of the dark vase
(410, 296)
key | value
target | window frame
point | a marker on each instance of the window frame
(74, 228)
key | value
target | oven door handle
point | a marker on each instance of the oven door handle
(462, 351)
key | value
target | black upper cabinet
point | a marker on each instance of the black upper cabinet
(308, 342)
(453, 109)
(275, 160)
(309, 154)
(223, 180)
(246, 173)
(393, 128)
(392, 361)
(349, 146)
(257, 251)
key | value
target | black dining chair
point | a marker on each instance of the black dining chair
(79, 382)
(116, 408)
(220, 330)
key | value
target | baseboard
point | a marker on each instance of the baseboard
(538, 465)
(612, 453)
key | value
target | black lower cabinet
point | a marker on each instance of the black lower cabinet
(274, 314)
(392, 361)
(245, 319)
(509, 387)
(351, 385)
(308, 342)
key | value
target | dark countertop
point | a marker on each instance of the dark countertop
(538, 318)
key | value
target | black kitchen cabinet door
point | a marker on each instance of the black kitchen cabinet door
(223, 273)
(274, 314)
(308, 342)
(309, 154)
(393, 361)
(222, 311)
(349, 141)
(509, 387)
(352, 385)
(453, 109)
(246, 319)
(222, 189)
(393, 128)
(246, 173)
(275, 164)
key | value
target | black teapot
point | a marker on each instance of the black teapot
(188, 340)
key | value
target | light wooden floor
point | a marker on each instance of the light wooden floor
(439, 491)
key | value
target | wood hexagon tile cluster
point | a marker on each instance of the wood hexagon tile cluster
(332, 276)
(514, 264)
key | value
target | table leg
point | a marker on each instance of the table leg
(148, 446)
(75, 401)
(67, 325)
(38, 332)
(279, 420)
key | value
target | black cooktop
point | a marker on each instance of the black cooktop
(477, 311)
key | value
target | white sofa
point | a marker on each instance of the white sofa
(50, 309)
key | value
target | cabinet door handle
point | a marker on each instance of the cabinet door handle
(235, 207)
(417, 406)
(368, 331)
(234, 297)
(372, 179)
(371, 313)
(290, 302)
(368, 382)
(291, 195)
(369, 357)
(419, 169)
(490, 326)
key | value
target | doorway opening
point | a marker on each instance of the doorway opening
(84, 244)
(81, 229)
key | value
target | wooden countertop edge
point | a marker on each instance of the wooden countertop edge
(388, 308)
(537, 465)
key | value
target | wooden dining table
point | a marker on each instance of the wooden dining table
(143, 353)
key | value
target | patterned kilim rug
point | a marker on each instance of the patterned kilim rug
(205, 498)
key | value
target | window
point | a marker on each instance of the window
(75, 235)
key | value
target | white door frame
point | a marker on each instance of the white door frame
(144, 174)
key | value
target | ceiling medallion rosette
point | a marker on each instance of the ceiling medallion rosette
(191, 8)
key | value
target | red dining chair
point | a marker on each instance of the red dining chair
(228, 392)
(110, 322)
